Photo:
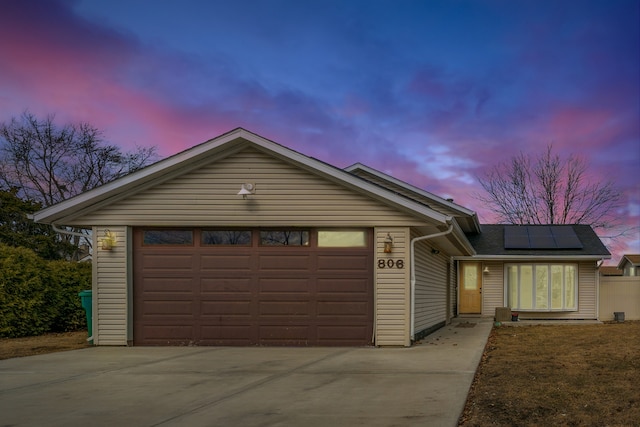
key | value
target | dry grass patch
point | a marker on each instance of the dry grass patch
(560, 375)
(48, 343)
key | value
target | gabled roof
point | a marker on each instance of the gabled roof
(490, 243)
(634, 260)
(220, 147)
(466, 218)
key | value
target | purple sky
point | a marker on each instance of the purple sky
(432, 92)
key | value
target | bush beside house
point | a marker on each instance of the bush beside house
(39, 296)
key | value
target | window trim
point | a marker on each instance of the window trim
(549, 265)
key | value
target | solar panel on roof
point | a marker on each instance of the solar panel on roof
(516, 237)
(541, 237)
(566, 237)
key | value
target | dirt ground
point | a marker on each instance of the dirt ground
(48, 343)
(558, 375)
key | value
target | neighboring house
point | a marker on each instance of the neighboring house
(630, 265)
(242, 241)
(610, 271)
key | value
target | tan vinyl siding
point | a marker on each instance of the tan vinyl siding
(110, 288)
(494, 283)
(392, 289)
(285, 195)
(430, 287)
(492, 287)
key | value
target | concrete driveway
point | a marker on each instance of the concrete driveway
(223, 386)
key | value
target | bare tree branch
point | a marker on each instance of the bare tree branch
(550, 190)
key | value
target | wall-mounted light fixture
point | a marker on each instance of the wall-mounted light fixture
(108, 240)
(247, 189)
(486, 270)
(388, 244)
(435, 251)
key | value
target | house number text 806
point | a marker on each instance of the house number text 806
(390, 263)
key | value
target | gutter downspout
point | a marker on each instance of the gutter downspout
(598, 265)
(413, 270)
(72, 233)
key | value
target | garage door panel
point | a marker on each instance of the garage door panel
(165, 284)
(343, 308)
(284, 284)
(285, 262)
(343, 262)
(240, 263)
(167, 308)
(226, 308)
(226, 285)
(170, 261)
(343, 285)
(284, 308)
(168, 332)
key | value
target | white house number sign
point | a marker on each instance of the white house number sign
(390, 263)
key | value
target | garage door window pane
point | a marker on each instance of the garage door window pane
(342, 239)
(168, 237)
(226, 237)
(284, 238)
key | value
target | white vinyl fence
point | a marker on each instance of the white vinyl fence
(619, 294)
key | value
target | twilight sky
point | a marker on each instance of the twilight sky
(432, 92)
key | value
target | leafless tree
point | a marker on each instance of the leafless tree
(46, 163)
(49, 164)
(549, 190)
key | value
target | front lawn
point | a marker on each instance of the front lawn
(558, 375)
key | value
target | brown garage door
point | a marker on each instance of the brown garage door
(251, 287)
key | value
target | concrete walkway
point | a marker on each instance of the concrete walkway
(426, 384)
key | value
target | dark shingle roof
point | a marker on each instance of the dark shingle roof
(491, 242)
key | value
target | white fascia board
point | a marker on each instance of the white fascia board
(524, 258)
(96, 195)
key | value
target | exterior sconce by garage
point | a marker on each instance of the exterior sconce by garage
(388, 244)
(247, 189)
(108, 241)
(486, 270)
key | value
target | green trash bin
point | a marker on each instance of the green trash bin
(87, 304)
